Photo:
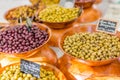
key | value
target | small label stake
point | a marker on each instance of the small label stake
(107, 26)
(30, 68)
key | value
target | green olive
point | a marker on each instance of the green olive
(57, 13)
(9, 74)
(92, 46)
(21, 12)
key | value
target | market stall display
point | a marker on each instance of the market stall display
(48, 70)
(34, 30)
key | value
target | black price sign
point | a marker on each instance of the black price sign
(107, 26)
(30, 68)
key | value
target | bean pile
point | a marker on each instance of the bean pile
(13, 73)
(19, 39)
(92, 46)
(22, 11)
(57, 13)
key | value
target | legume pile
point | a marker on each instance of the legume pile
(13, 73)
(19, 39)
(22, 11)
(92, 46)
(57, 13)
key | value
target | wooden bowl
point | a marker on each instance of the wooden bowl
(33, 51)
(59, 25)
(84, 3)
(81, 29)
(46, 66)
(9, 16)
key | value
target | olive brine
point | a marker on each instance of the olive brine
(19, 39)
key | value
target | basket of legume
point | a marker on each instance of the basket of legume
(84, 3)
(86, 45)
(58, 17)
(47, 72)
(23, 41)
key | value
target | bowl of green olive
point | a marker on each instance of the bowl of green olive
(47, 72)
(13, 15)
(46, 2)
(84, 3)
(58, 17)
(86, 45)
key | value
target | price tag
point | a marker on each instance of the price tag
(107, 26)
(67, 3)
(30, 68)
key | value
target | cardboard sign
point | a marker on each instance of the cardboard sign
(30, 68)
(107, 26)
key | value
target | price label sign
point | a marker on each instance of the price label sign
(30, 68)
(107, 26)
